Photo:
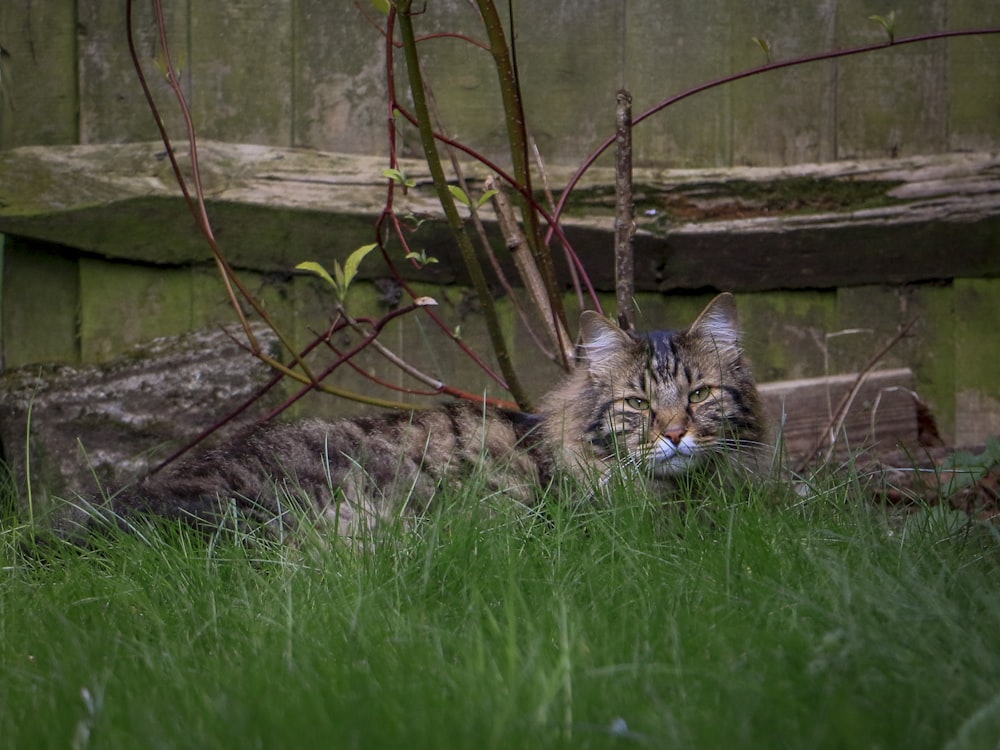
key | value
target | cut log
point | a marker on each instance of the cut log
(882, 415)
(844, 224)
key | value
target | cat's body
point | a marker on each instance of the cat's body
(661, 405)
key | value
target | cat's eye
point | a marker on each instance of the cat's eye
(699, 394)
(637, 402)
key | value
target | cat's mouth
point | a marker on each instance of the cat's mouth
(666, 459)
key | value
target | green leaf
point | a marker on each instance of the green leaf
(317, 269)
(939, 521)
(353, 261)
(485, 197)
(764, 45)
(338, 274)
(416, 221)
(397, 175)
(421, 258)
(966, 468)
(888, 23)
(460, 195)
(382, 6)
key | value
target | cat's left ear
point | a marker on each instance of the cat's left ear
(718, 322)
(602, 341)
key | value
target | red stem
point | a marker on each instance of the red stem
(766, 68)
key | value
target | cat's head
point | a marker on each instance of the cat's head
(666, 400)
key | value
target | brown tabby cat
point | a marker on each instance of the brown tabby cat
(662, 404)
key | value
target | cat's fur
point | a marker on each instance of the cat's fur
(659, 404)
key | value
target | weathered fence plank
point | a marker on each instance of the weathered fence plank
(665, 55)
(797, 98)
(38, 98)
(973, 78)
(120, 201)
(273, 208)
(891, 102)
(339, 86)
(241, 68)
(977, 354)
(789, 352)
(569, 88)
(310, 73)
(40, 298)
(113, 108)
(881, 415)
(123, 304)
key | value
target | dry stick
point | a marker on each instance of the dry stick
(510, 95)
(484, 241)
(554, 228)
(388, 215)
(198, 209)
(491, 256)
(624, 214)
(346, 358)
(833, 428)
(438, 386)
(447, 201)
(197, 203)
(766, 68)
(197, 206)
(574, 274)
(393, 220)
(517, 243)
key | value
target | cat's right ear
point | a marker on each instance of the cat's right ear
(602, 342)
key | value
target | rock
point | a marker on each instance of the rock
(91, 427)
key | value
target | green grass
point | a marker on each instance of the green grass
(746, 624)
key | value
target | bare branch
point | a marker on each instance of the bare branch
(832, 430)
(517, 243)
(448, 204)
(624, 214)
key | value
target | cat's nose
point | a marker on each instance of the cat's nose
(675, 434)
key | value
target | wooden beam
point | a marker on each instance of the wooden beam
(882, 416)
(274, 207)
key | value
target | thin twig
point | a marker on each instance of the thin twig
(550, 202)
(438, 386)
(830, 432)
(517, 243)
(389, 217)
(624, 214)
(197, 203)
(766, 68)
(553, 228)
(484, 240)
(447, 201)
(510, 95)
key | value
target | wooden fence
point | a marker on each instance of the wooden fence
(310, 73)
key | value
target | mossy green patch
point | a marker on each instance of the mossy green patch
(738, 198)
(976, 341)
(931, 351)
(40, 299)
(122, 304)
(784, 332)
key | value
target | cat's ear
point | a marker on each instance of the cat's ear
(718, 322)
(602, 342)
